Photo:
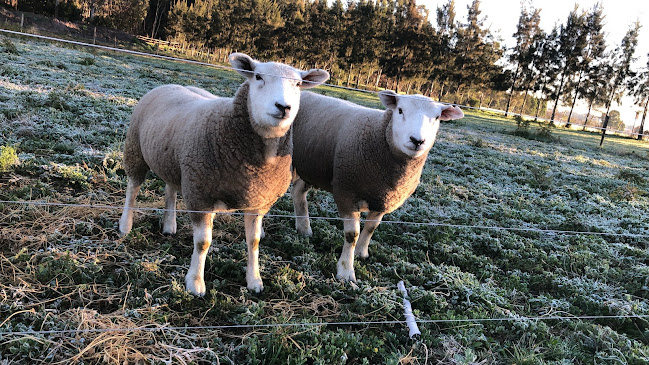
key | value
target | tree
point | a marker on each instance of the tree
(594, 51)
(615, 121)
(544, 54)
(618, 70)
(476, 53)
(526, 30)
(641, 96)
(594, 88)
(572, 41)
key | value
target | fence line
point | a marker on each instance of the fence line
(292, 216)
(318, 324)
(170, 58)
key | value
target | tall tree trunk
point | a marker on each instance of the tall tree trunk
(524, 101)
(644, 116)
(349, 74)
(538, 107)
(590, 106)
(606, 119)
(378, 78)
(358, 78)
(511, 90)
(574, 100)
(556, 99)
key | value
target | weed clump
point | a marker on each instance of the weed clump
(542, 134)
(9, 47)
(8, 158)
(87, 61)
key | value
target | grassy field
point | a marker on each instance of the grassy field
(65, 111)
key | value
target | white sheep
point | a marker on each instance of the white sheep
(371, 160)
(222, 154)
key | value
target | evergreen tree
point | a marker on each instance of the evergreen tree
(619, 70)
(641, 96)
(521, 55)
(594, 51)
(476, 53)
(572, 42)
(544, 53)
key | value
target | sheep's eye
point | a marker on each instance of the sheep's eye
(299, 83)
(400, 111)
(258, 77)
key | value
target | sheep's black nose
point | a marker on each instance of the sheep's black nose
(417, 142)
(283, 108)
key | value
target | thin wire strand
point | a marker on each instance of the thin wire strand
(170, 58)
(275, 215)
(316, 324)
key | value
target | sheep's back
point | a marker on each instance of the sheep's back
(320, 125)
(166, 118)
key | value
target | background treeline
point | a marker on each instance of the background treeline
(397, 44)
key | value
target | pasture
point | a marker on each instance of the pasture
(65, 112)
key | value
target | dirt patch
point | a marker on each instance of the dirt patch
(81, 31)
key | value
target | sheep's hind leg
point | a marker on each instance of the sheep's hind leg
(252, 222)
(169, 218)
(202, 225)
(373, 220)
(126, 221)
(351, 227)
(300, 205)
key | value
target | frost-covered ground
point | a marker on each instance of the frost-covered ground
(65, 111)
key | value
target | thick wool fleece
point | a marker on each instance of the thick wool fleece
(347, 149)
(206, 147)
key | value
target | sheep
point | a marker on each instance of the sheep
(370, 160)
(222, 154)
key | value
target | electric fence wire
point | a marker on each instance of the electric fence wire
(306, 324)
(276, 215)
(177, 59)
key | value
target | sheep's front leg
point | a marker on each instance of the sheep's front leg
(300, 205)
(373, 220)
(126, 221)
(252, 222)
(202, 225)
(169, 219)
(351, 227)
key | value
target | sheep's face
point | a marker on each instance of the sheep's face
(415, 121)
(274, 92)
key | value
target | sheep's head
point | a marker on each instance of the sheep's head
(274, 92)
(415, 121)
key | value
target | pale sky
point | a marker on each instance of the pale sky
(502, 18)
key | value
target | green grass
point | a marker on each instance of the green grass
(66, 267)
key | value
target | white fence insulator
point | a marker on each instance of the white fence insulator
(413, 330)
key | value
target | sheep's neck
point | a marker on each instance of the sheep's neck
(271, 146)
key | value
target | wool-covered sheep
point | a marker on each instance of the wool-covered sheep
(371, 160)
(222, 154)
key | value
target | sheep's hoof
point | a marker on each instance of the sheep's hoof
(305, 232)
(123, 230)
(256, 286)
(195, 286)
(168, 233)
(346, 274)
(361, 254)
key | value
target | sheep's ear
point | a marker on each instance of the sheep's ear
(313, 78)
(451, 112)
(388, 98)
(243, 64)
